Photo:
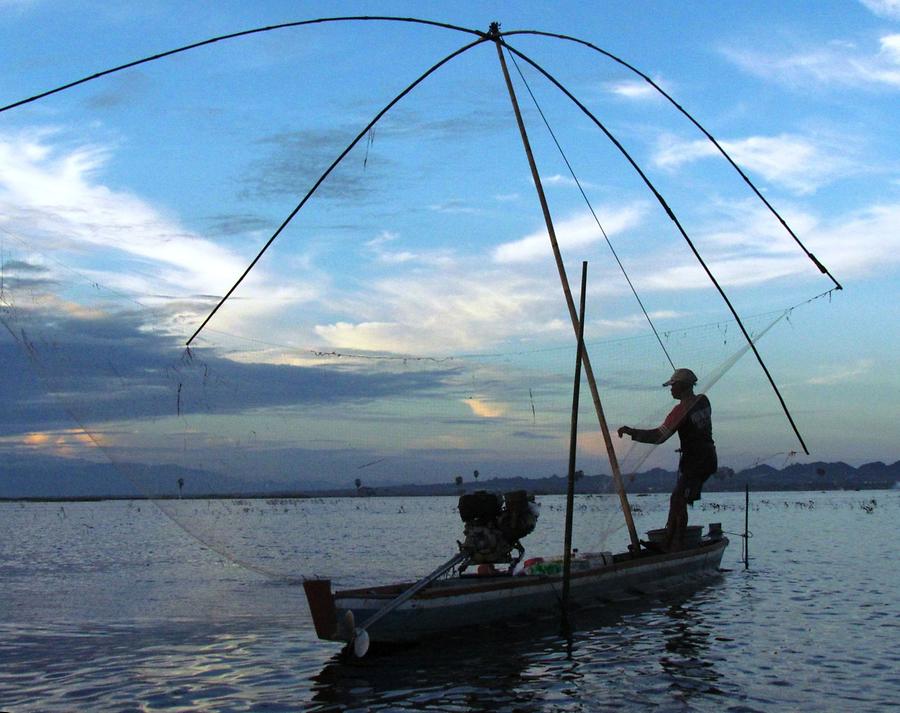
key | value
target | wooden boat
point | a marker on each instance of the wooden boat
(469, 600)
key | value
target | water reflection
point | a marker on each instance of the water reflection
(664, 647)
(687, 658)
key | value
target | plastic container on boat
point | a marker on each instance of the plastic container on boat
(692, 535)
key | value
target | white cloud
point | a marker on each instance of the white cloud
(557, 179)
(53, 201)
(577, 232)
(486, 409)
(890, 48)
(636, 89)
(443, 311)
(391, 257)
(795, 162)
(843, 373)
(838, 63)
(884, 8)
(454, 205)
(856, 245)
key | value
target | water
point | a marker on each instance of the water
(110, 606)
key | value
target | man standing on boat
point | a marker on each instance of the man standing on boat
(692, 418)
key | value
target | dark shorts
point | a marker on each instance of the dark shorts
(694, 473)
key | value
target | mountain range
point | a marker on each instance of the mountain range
(57, 478)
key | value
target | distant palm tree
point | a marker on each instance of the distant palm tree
(476, 474)
(357, 483)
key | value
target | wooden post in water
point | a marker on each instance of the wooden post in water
(573, 441)
(564, 280)
(747, 526)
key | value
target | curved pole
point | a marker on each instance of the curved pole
(328, 170)
(570, 303)
(674, 218)
(231, 36)
(696, 123)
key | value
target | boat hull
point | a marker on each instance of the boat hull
(451, 604)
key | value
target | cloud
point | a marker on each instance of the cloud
(857, 244)
(454, 205)
(844, 373)
(296, 159)
(638, 89)
(485, 409)
(884, 8)
(52, 201)
(104, 367)
(63, 443)
(795, 162)
(839, 64)
(572, 233)
(378, 247)
(444, 309)
(557, 179)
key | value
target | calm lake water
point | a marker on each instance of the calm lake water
(112, 606)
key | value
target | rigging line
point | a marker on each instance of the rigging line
(233, 35)
(696, 123)
(334, 163)
(591, 208)
(706, 385)
(673, 217)
(787, 311)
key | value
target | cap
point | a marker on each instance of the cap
(685, 375)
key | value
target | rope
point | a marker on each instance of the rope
(591, 208)
(674, 218)
(696, 123)
(334, 163)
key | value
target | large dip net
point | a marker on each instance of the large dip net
(393, 341)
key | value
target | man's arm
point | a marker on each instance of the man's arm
(657, 435)
(653, 435)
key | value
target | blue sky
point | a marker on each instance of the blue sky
(129, 204)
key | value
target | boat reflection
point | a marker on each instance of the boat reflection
(663, 646)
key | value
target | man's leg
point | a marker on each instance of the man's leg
(678, 517)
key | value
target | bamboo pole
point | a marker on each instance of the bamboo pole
(570, 302)
(573, 442)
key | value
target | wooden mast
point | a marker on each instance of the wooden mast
(570, 302)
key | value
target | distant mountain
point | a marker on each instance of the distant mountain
(801, 476)
(42, 478)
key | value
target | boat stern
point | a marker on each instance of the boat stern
(324, 612)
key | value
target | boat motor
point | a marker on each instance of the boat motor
(495, 524)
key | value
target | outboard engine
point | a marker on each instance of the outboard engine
(495, 524)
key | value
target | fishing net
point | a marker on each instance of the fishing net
(391, 354)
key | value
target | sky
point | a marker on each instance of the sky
(408, 323)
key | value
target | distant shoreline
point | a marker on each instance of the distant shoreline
(349, 494)
(172, 483)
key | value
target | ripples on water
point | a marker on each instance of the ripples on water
(109, 606)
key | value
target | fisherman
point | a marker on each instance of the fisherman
(692, 418)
